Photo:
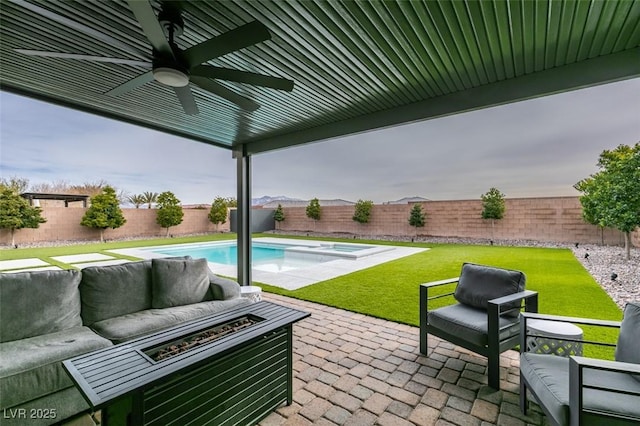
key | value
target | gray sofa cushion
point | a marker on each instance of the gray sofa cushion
(548, 377)
(178, 282)
(479, 283)
(32, 367)
(38, 302)
(628, 347)
(470, 324)
(132, 326)
(223, 288)
(111, 291)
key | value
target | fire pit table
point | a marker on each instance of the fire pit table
(234, 367)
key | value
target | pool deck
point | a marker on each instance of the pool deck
(301, 277)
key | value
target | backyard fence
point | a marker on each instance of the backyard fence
(550, 219)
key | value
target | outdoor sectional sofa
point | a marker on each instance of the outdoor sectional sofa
(49, 316)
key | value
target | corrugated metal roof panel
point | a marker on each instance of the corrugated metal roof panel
(356, 65)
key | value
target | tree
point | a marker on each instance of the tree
(611, 196)
(278, 215)
(150, 198)
(169, 211)
(314, 211)
(136, 199)
(104, 212)
(417, 217)
(16, 213)
(16, 184)
(218, 213)
(493, 207)
(231, 202)
(362, 212)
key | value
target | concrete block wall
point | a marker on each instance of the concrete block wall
(552, 219)
(63, 224)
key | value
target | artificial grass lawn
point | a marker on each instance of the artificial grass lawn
(391, 290)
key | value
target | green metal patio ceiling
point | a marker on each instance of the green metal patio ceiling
(356, 65)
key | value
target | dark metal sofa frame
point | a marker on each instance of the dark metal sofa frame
(577, 364)
(495, 346)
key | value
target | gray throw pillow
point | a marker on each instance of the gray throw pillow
(628, 347)
(115, 290)
(178, 282)
(479, 283)
(38, 302)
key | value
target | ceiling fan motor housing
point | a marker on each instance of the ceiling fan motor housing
(171, 21)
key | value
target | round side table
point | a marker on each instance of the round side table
(550, 338)
(251, 292)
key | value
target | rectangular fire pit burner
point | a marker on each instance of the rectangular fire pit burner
(170, 349)
(230, 368)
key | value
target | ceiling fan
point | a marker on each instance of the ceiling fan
(170, 65)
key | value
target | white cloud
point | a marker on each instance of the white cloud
(534, 148)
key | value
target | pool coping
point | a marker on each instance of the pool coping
(297, 278)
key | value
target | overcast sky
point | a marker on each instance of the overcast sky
(528, 149)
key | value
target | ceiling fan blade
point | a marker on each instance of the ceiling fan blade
(236, 39)
(76, 26)
(150, 26)
(187, 100)
(255, 79)
(134, 83)
(80, 57)
(223, 92)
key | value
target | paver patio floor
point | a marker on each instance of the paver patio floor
(351, 369)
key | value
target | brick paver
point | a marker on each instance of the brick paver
(351, 369)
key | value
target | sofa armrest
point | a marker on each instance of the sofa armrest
(577, 385)
(223, 288)
(530, 301)
(441, 282)
(575, 320)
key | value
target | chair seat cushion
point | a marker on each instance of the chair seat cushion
(131, 326)
(548, 378)
(32, 367)
(470, 324)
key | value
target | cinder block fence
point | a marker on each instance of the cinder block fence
(549, 219)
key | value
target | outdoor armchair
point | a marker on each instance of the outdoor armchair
(485, 319)
(583, 391)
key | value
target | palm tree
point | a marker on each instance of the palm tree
(149, 198)
(136, 199)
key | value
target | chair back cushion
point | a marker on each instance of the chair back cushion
(114, 290)
(38, 302)
(628, 347)
(479, 283)
(177, 282)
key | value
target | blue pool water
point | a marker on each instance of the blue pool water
(227, 254)
(270, 257)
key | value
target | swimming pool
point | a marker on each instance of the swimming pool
(271, 257)
(283, 262)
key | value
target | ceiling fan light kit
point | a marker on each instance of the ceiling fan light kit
(170, 77)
